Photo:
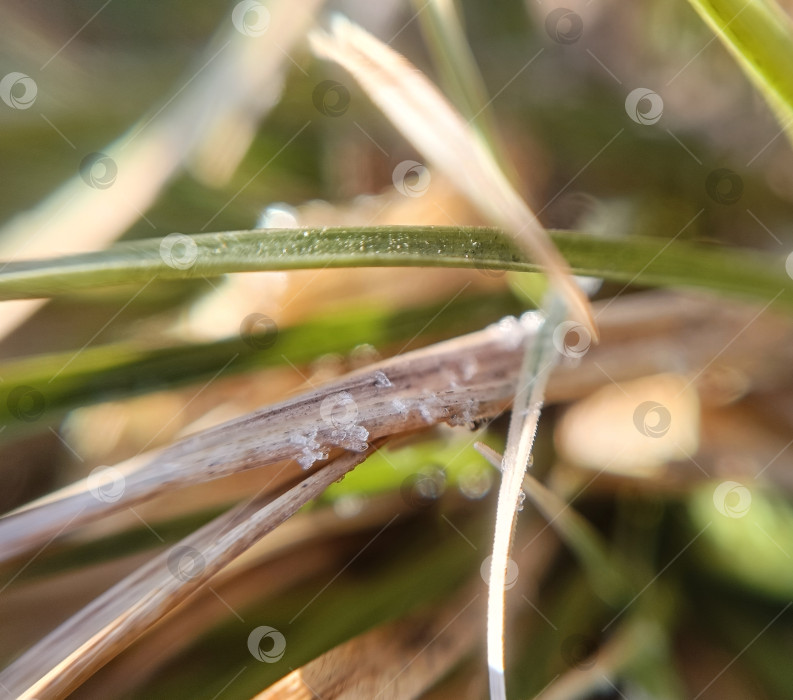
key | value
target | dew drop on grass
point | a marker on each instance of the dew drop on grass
(279, 215)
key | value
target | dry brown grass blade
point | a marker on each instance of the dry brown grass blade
(399, 660)
(456, 381)
(416, 107)
(88, 640)
(303, 547)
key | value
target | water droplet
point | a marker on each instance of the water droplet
(278, 215)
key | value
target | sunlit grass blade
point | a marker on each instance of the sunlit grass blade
(539, 358)
(442, 25)
(607, 575)
(760, 36)
(431, 124)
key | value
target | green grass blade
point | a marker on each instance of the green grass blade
(760, 36)
(644, 261)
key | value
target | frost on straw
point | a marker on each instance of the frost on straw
(431, 124)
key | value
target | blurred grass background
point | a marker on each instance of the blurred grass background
(712, 620)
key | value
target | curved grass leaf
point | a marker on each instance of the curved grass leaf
(636, 260)
(760, 36)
